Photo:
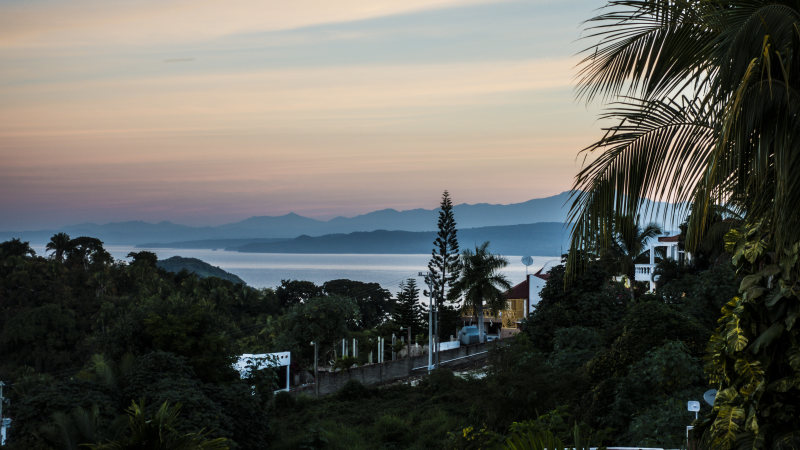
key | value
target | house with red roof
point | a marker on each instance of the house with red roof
(522, 300)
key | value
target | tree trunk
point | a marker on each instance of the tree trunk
(479, 310)
(631, 281)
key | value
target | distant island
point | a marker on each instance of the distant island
(200, 268)
(541, 239)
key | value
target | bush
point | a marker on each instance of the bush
(284, 400)
(392, 431)
(353, 390)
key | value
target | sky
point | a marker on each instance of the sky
(204, 112)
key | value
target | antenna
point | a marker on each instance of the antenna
(527, 260)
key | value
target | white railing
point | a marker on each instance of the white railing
(643, 272)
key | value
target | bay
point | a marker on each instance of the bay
(266, 270)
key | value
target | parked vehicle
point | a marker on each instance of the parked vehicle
(469, 335)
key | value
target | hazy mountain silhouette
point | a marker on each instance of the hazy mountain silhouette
(548, 209)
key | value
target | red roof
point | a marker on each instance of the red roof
(518, 291)
(544, 276)
(669, 238)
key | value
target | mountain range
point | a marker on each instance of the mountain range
(535, 227)
(549, 209)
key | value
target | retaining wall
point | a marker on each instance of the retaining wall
(388, 371)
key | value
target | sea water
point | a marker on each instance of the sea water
(266, 270)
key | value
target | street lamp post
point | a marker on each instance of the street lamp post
(427, 277)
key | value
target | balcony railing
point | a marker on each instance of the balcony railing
(644, 272)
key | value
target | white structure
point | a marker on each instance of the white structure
(644, 272)
(536, 282)
(5, 424)
(449, 345)
(260, 361)
(530, 289)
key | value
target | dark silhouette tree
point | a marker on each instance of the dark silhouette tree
(292, 292)
(60, 244)
(444, 265)
(15, 247)
(373, 301)
(143, 259)
(87, 251)
(407, 310)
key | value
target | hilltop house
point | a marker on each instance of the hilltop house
(644, 272)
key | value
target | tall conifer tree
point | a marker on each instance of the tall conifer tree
(444, 266)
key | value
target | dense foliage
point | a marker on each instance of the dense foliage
(706, 103)
(619, 370)
(95, 351)
(83, 336)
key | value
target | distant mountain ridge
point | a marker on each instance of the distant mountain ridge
(548, 209)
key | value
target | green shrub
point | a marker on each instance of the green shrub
(392, 431)
(353, 390)
(284, 400)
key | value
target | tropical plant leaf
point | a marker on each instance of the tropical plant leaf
(767, 337)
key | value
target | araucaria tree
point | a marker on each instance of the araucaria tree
(443, 267)
(707, 109)
(481, 283)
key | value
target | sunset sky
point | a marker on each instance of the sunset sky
(203, 112)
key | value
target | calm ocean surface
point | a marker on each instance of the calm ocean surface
(268, 269)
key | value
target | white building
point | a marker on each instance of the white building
(644, 272)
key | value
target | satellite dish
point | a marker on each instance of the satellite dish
(709, 396)
(527, 260)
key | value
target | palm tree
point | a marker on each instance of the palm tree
(61, 244)
(160, 431)
(481, 281)
(628, 243)
(17, 248)
(707, 101)
(706, 113)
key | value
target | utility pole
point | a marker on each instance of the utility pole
(436, 331)
(316, 371)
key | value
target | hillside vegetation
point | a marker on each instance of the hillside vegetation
(93, 345)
